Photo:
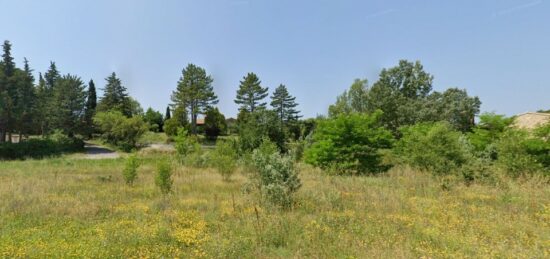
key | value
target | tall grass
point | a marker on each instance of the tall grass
(79, 208)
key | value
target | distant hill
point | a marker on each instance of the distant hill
(531, 120)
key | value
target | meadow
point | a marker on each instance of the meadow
(69, 207)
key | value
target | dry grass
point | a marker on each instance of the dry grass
(80, 208)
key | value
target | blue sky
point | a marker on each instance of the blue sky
(498, 50)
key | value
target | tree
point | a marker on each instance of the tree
(460, 109)
(214, 123)
(26, 101)
(91, 104)
(349, 144)
(69, 102)
(154, 119)
(285, 105)
(251, 93)
(115, 97)
(167, 116)
(7, 92)
(353, 100)
(194, 93)
(399, 93)
(259, 125)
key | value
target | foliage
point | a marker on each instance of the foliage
(171, 127)
(115, 97)
(163, 178)
(119, 130)
(284, 105)
(54, 145)
(250, 94)
(91, 104)
(255, 126)
(520, 154)
(130, 169)
(214, 124)
(434, 147)
(354, 100)
(184, 143)
(154, 119)
(224, 158)
(277, 177)
(349, 144)
(69, 102)
(194, 93)
(488, 131)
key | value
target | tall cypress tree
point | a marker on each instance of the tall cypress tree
(194, 93)
(284, 104)
(115, 97)
(168, 115)
(251, 93)
(91, 104)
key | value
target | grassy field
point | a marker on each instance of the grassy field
(65, 207)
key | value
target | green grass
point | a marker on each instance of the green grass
(66, 207)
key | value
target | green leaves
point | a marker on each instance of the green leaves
(250, 93)
(349, 144)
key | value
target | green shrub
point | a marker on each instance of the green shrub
(487, 132)
(517, 153)
(119, 130)
(223, 158)
(171, 127)
(163, 178)
(349, 144)
(434, 147)
(130, 169)
(256, 126)
(214, 124)
(54, 145)
(277, 178)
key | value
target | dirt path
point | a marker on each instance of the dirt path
(98, 152)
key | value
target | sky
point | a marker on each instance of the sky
(498, 50)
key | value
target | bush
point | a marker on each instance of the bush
(349, 144)
(130, 170)
(171, 127)
(163, 178)
(214, 124)
(54, 145)
(119, 130)
(254, 127)
(488, 131)
(276, 174)
(434, 147)
(223, 158)
(517, 153)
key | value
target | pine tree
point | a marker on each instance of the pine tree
(69, 100)
(251, 93)
(7, 92)
(25, 106)
(167, 115)
(51, 76)
(91, 104)
(195, 93)
(42, 99)
(115, 97)
(284, 104)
